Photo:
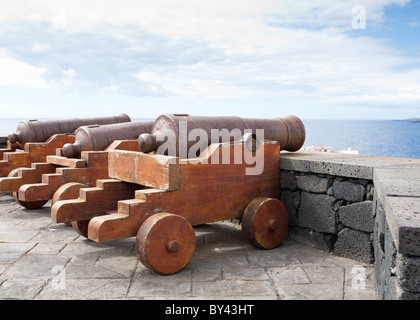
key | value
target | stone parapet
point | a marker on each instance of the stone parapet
(361, 207)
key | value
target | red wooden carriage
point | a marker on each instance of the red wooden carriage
(159, 199)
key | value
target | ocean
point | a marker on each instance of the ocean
(388, 138)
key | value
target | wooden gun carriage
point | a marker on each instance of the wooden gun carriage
(34, 186)
(160, 198)
(34, 140)
(75, 173)
(29, 164)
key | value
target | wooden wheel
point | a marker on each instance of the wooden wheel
(165, 243)
(81, 227)
(265, 222)
(69, 191)
(31, 205)
(27, 204)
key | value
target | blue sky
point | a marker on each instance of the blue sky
(262, 59)
(402, 27)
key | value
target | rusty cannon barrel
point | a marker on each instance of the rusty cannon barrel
(175, 129)
(97, 138)
(41, 130)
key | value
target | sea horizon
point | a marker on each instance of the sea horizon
(383, 137)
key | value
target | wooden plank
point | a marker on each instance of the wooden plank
(93, 201)
(92, 166)
(97, 168)
(66, 162)
(132, 145)
(14, 160)
(33, 152)
(196, 174)
(52, 182)
(9, 148)
(42, 149)
(26, 176)
(4, 150)
(155, 171)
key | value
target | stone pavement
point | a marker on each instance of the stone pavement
(40, 259)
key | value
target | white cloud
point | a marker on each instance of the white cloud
(40, 48)
(298, 50)
(215, 20)
(329, 13)
(414, 22)
(15, 72)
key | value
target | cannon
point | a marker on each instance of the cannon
(41, 130)
(177, 131)
(43, 179)
(92, 143)
(35, 186)
(159, 198)
(96, 137)
(33, 152)
(35, 139)
(87, 138)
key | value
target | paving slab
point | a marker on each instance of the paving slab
(43, 260)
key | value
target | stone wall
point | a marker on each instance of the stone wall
(360, 207)
(330, 212)
(397, 232)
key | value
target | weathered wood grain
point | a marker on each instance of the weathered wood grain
(93, 201)
(21, 176)
(92, 166)
(165, 243)
(33, 152)
(265, 222)
(206, 193)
